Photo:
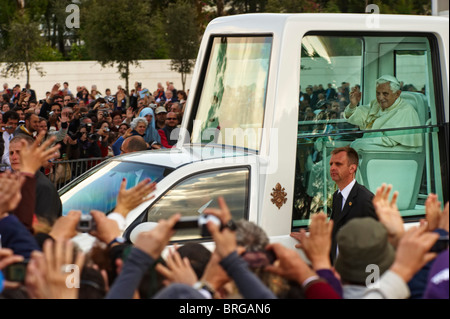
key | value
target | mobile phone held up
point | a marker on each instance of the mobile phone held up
(190, 222)
(16, 272)
(440, 245)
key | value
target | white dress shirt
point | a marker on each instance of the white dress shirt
(5, 156)
(346, 191)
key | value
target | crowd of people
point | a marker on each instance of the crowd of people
(89, 124)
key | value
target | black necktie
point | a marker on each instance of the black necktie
(339, 202)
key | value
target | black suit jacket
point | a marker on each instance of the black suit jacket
(330, 94)
(48, 202)
(358, 204)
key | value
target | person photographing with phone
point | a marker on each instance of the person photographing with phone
(11, 121)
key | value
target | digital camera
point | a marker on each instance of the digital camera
(93, 137)
(16, 272)
(188, 222)
(86, 223)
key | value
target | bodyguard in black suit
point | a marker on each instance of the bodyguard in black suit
(358, 199)
(330, 93)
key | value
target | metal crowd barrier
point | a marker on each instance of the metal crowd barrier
(62, 172)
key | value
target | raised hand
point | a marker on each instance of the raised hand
(388, 213)
(10, 195)
(290, 265)
(128, 199)
(32, 157)
(432, 211)
(178, 270)
(65, 227)
(55, 89)
(154, 241)
(106, 229)
(64, 118)
(49, 273)
(127, 133)
(355, 96)
(225, 239)
(444, 220)
(318, 244)
(413, 251)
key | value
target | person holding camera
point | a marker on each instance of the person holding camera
(87, 143)
(104, 132)
(54, 97)
(102, 114)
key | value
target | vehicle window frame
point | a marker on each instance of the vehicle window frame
(197, 95)
(437, 106)
(143, 217)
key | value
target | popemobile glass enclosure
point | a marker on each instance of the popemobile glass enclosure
(406, 155)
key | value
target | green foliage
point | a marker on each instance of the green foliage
(247, 6)
(159, 46)
(116, 32)
(403, 6)
(293, 6)
(182, 37)
(36, 8)
(22, 53)
(7, 13)
(79, 53)
(47, 53)
(54, 22)
(386, 6)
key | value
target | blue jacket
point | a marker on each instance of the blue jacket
(17, 237)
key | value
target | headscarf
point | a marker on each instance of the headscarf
(146, 111)
(151, 134)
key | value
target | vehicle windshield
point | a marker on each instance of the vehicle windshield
(98, 188)
(232, 101)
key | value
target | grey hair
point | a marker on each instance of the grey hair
(137, 120)
(392, 80)
(251, 236)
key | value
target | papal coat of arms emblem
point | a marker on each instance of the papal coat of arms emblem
(278, 196)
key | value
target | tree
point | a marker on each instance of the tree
(159, 49)
(117, 33)
(293, 6)
(24, 48)
(10, 10)
(247, 6)
(182, 37)
(54, 25)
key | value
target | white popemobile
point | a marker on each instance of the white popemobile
(247, 133)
